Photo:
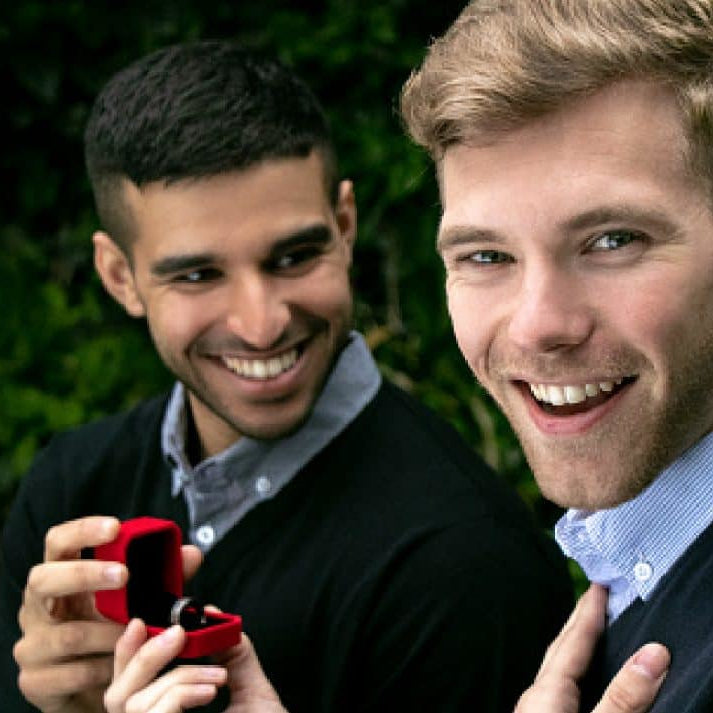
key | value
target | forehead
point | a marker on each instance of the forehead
(624, 143)
(255, 204)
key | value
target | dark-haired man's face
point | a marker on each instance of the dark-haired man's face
(244, 281)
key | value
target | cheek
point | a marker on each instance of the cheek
(175, 323)
(471, 326)
(327, 294)
(662, 323)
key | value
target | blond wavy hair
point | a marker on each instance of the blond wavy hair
(506, 62)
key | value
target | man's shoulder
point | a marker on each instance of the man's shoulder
(135, 423)
(406, 430)
(109, 445)
(406, 451)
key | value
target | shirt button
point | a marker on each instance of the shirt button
(263, 485)
(643, 571)
(205, 535)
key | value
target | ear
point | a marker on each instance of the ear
(346, 213)
(117, 274)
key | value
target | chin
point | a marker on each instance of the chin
(592, 495)
(274, 430)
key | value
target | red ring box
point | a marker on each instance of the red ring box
(151, 549)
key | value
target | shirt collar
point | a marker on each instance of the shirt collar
(351, 385)
(634, 545)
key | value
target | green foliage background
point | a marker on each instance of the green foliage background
(67, 353)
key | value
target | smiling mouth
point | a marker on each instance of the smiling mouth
(570, 399)
(263, 369)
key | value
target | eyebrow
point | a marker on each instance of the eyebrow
(596, 217)
(172, 264)
(181, 263)
(602, 215)
(464, 235)
(318, 234)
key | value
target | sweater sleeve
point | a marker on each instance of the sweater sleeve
(22, 548)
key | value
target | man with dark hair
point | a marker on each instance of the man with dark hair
(376, 562)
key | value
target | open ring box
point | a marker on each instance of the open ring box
(151, 550)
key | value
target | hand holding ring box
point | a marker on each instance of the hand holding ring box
(151, 550)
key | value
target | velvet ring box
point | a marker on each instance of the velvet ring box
(151, 549)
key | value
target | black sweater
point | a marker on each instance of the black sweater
(679, 614)
(394, 573)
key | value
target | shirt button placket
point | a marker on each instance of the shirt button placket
(205, 535)
(643, 571)
(263, 485)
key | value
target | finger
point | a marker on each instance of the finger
(66, 540)
(178, 698)
(146, 663)
(50, 644)
(177, 689)
(245, 674)
(634, 688)
(137, 663)
(553, 697)
(570, 653)
(192, 558)
(128, 644)
(49, 583)
(65, 679)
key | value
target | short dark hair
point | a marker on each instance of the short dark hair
(197, 110)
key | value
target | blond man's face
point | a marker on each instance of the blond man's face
(579, 258)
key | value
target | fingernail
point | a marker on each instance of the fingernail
(652, 661)
(170, 636)
(108, 527)
(113, 573)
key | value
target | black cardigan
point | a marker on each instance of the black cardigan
(679, 614)
(394, 573)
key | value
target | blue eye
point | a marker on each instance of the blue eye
(489, 257)
(614, 240)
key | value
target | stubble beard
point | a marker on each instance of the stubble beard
(623, 456)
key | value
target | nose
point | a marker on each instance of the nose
(551, 311)
(257, 313)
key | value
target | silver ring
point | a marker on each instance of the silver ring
(179, 606)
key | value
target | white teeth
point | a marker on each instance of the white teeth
(591, 389)
(555, 395)
(571, 394)
(574, 394)
(262, 368)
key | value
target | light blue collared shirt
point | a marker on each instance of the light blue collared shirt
(631, 547)
(222, 489)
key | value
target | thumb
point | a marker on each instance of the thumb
(192, 558)
(634, 688)
(246, 679)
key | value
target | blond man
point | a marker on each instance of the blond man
(573, 141)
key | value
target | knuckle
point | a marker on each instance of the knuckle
(621, 699)
(25, 682)
(34, 579)
(89, 673)
(71, 638)
(111, 699)
(18, 652)
(52, 534)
